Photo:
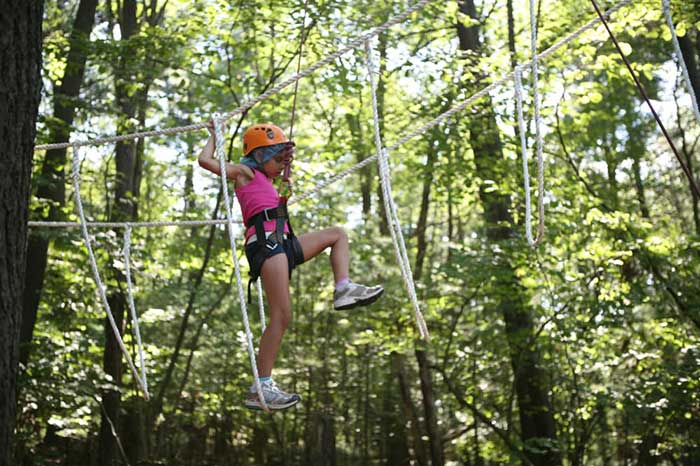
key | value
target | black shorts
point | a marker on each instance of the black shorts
(291, 247)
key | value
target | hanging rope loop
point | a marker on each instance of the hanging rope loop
(389, 204)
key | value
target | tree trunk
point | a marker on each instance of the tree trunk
(126, 191)
(409, 410)
(394, 449)
(437, 455)
(365, 172)
(422, 225)
(51, 185)
(531, 382)
(321, 439)
(690, 54)
(20, 61)
(426, 381)
(383, 223)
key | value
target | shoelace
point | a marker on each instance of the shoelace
(272, 387)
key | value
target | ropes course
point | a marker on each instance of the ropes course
(381, 155)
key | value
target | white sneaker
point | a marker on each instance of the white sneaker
(354, 294)
(275, 399)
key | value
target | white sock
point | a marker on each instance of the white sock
(341, 284)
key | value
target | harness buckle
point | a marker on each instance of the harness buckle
(274, 212)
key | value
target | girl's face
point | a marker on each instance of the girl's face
(275, 166)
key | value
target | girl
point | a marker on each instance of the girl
(273, 250)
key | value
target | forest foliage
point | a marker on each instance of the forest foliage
(608, 306)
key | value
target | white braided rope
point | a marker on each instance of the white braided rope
(666, 4)
(523, 151)
(96, 273)
(261, 304)
(219, 146)
(172, 223)
(538, 137)
(402, 140)
(270, 92)
(390, 206)
(339, 176)
(132, 307)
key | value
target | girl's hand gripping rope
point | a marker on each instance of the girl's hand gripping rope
(286, 187)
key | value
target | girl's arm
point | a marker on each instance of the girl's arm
(240, 174)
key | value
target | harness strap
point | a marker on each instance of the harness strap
(268, 214)
(269, 243)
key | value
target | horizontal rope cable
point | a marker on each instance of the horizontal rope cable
(407, 137)
(359, 41)
(171, 223)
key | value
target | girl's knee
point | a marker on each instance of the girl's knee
(339, 234)
(281, 317)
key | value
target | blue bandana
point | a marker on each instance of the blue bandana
(264, 154)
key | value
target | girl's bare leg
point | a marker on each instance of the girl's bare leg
(313, 243)
(275, 281)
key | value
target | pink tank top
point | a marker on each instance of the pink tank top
(256, 196)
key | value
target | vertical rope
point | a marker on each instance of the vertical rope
(96, 273)
(219, 140)
(538, 125)
(130, 298)
(261, 304)
(666, 4)
(523, 150)
(390, 206)
(302, 38)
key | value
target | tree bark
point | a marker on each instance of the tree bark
(531, 382)
(381, 90)
(20, 86)
(126, 191)
(394, 446)
(51, 184)
(690, 53)
(437, 454)
(365, 172)
(409, 410)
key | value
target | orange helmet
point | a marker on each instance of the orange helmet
(262, 135)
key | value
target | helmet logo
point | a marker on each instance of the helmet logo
(270, 133)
